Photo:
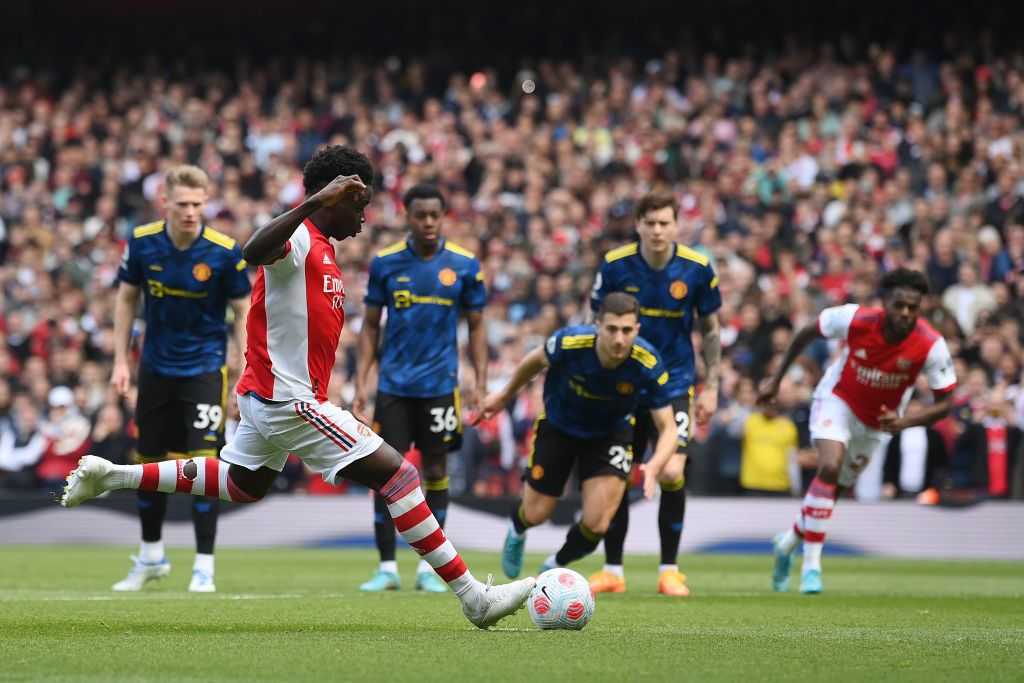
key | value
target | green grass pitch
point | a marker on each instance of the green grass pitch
(297, 615)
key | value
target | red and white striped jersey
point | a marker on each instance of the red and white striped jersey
(870, 372)
(295, 321)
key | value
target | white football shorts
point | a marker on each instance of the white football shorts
(832, 420)
(324, 436)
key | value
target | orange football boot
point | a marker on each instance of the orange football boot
(673, 582)
(606, 582)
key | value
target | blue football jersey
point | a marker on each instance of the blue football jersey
(582, 398)
(186, 297)
(419, 356)
(668, 299)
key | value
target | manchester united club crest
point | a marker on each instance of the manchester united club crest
(625, 388)
(537, 472)
(201, 272)
(678, 289)
(447, 277)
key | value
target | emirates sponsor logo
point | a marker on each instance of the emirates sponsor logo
(335, 287)
(879, 379)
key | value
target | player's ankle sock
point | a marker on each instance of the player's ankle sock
(383, 530)
(615, 539)
(812, 556)
(151, 551)
(615, 569)
(197, 476)
(152, 506)
(579, 542)
(204, 519)
(662, 568)
(817, 511)
(419, 528)
(389, 565)
(437, 498)
(671, 511)
(203, 563)
(790, 540)
(517, 521)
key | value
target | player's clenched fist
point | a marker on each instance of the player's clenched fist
(338, 188)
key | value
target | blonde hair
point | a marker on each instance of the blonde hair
(186, 176)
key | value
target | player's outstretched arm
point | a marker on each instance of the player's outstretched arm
(770, 387)
(267, 244)
(663, 449)
(528, 368)
(124, 315)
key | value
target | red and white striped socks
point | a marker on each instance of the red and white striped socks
(812, 523)
(419, 528)
(196, 476)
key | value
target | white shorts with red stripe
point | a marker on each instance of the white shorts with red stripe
(832, 420)
(324, 436)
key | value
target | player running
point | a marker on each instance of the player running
(595, 375)
(190, 274)
(675, 285)
(294, 326)
(423, 282)
(859, 403)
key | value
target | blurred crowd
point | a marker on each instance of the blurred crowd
(803, 174)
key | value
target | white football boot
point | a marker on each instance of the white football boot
(202, 582)
(489, 604)
(90, 479)
(141, 573)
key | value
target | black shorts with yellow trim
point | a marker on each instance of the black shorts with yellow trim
(646, 435)
(180, 416)
(433, 424)
(553, 454)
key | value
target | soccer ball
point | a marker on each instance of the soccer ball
(562, 599)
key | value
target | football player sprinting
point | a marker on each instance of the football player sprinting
(595, 374)
(293, 330)
(676, 287)
(859, 403)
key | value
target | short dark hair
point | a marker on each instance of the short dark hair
(654, 201)
(619, 303)
(423, 191)
(904, 278)
(333, 161)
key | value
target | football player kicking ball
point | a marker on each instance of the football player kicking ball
(858, 403)
(293, 330)
(595, 375)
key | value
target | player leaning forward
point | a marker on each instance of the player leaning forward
(293, 330)
(595, 375)
(858, 403)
